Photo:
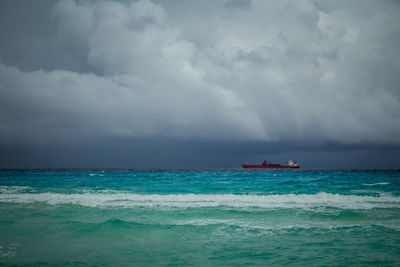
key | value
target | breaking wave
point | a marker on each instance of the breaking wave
(12, 189)
(110, 199)
(381, 183)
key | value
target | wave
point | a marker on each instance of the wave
(107, 199)
(235, 223)
(382, 183)
(12, 189)
(262, 225)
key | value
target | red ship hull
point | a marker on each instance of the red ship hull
(269, 167)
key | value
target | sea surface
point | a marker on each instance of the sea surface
(200, 218)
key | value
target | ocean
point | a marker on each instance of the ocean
(200, 218)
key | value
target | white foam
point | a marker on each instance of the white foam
(204, 222)
(264, 225)
(8, 250)
(131, 200)
(13, 189)
(382, 183)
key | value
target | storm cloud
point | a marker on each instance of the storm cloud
(217, 72)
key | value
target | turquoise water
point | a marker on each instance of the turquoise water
(200, 218)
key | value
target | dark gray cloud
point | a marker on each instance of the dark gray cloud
(217, 73)
(178, 153)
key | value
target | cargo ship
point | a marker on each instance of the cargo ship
(268, 165)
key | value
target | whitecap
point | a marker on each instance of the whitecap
(112, 199)
(381, 183)
(5, 189)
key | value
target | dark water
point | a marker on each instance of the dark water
(202, 218)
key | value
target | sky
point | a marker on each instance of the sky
(199, 84)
